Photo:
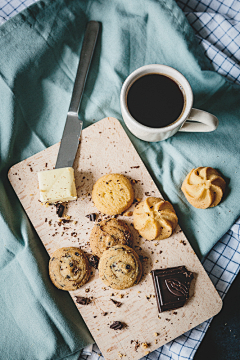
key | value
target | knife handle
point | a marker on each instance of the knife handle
(88, 47)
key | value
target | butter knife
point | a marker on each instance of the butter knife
(73, 126)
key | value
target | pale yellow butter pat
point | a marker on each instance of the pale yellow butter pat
(57, 185)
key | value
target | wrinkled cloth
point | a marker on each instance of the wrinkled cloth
(39, 55)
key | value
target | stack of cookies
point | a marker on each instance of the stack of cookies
(119, 265)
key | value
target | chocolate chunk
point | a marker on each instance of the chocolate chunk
(94, 260)
(117, 325)
(117, 303)
(64, 221)
(60, 210)
(171, 287)
(83, 300)
(91, 217)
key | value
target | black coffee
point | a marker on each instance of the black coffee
(155, 100)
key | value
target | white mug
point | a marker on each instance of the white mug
(200, 121)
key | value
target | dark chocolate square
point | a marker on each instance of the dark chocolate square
(171, 287)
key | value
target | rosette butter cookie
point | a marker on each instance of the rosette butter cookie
(120, 267)
(69, 268)
(112, 194)
(155, 219)
(108, 233)
(203, 187)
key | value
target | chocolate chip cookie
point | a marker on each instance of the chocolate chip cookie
(120, 267)
(69, 268)
(108, 233)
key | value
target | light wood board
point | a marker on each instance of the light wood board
(105, 148)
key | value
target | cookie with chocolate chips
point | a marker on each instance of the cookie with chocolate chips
(120, 267)
(69, 268)
(108, 233)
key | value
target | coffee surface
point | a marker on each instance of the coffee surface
(155, 100)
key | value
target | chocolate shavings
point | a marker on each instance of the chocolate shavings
(91, 217)
(117, 325)
(60, 210)
(117, 303)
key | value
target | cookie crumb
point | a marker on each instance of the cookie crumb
(136, 344)
(183, 242)
(127, 213)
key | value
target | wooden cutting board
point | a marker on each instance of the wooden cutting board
(105, 148)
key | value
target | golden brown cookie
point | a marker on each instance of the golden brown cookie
(108, 233)
(154, 219)
(69, 268)
(203, 187)
(120, 267)
(112, 194)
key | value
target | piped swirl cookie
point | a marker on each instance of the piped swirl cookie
(108, 233)
(112, 194)
(120, 267)
(155, 218)
(203, 187)
(69, 268)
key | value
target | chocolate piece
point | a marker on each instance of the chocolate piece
(171, 287)
(83, 300)
(117, 325)
(60, 210)
(91, 217)
(66, 221)
(117, 303)
(94, 260)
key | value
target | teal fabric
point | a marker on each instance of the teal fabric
(39, 55)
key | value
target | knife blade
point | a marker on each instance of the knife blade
(73, 126)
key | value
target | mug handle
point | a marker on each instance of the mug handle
(200, 121)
